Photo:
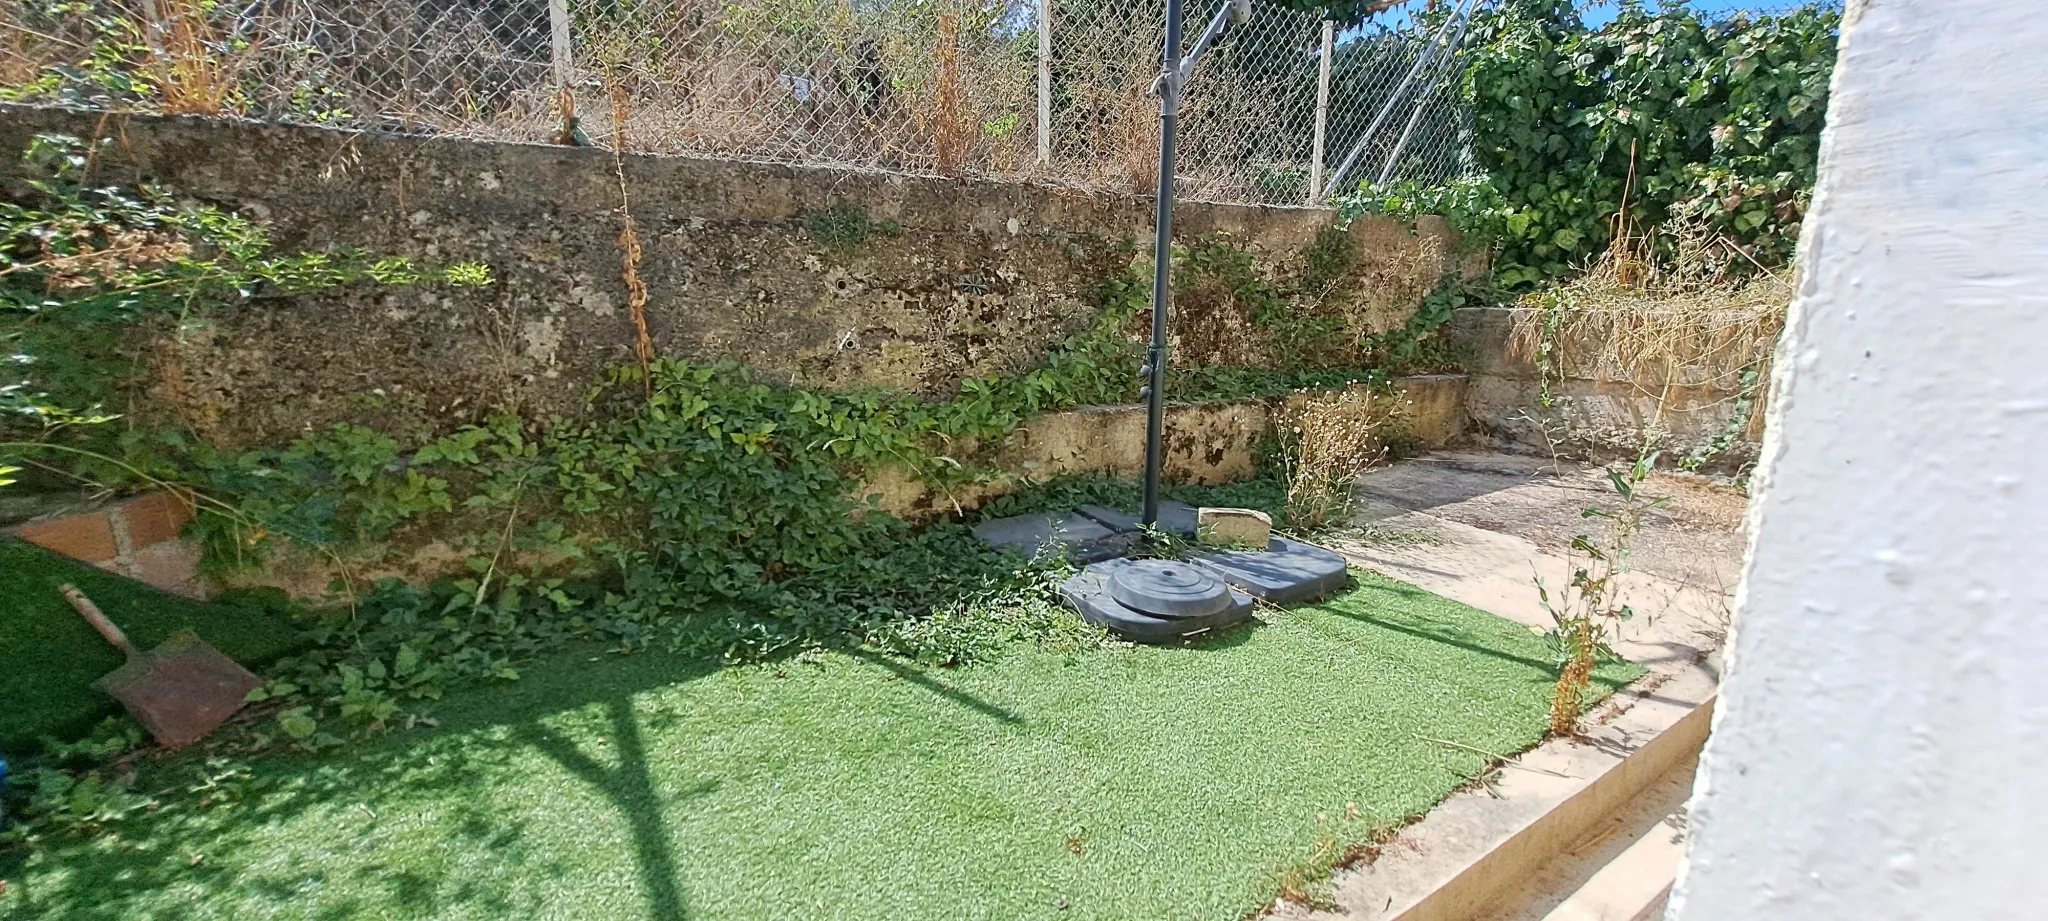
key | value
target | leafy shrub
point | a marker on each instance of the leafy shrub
(1653, 116)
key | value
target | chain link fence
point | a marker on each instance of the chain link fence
(1051, 91)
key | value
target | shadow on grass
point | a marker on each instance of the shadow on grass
(1609, 675)
(917, 676)
(631, 790)
(216, 848)
(1353, 606)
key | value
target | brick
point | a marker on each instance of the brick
(172, 566)
(154, 517)
(88, 537)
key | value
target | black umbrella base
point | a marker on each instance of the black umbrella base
(1100, 539)
(1092, 593)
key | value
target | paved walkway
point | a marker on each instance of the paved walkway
(1482, 528)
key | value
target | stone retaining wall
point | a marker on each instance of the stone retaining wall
(828, 278)
(1597, 417)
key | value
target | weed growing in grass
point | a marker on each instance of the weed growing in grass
(1326, 442)
(76, 788)
(1306, 881)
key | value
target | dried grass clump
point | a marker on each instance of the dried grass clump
(948, 120)
(195, 67)
(1676, 321)
(1690, 341)
(629, 242)
(1326, 442)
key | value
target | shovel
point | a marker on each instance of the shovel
(179, 691)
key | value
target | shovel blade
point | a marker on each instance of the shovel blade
(181, 690)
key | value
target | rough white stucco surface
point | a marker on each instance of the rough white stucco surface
(1881, 750)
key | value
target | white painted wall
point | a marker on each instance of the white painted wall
(1881, 750)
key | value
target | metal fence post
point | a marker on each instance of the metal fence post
(1044, 82)
(1315, 166)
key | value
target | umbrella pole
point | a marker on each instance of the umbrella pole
(1154, 390)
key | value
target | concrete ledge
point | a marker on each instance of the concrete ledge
(1472, 856)
(1636, 884)
(1596, 415)
(1205, 443)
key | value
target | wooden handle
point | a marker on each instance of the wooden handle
(92, 615)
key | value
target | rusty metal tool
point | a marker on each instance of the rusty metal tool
(179, 691)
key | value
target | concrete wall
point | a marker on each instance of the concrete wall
(958, 278)
(1879, 749)
(1206, 443)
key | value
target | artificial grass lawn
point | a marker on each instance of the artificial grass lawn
(52, 656)
(1137, 783)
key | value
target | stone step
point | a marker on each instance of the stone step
(1622, 871)
(1635, 886)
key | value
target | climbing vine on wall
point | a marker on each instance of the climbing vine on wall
(81, 264)
(701, 506)
(1654, 116)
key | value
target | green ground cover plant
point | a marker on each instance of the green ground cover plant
(695, 506)
(701, 516)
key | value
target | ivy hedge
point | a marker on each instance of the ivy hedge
(1655, 116)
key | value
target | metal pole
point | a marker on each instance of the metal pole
(1233, 11)
(1315, 165)
(1401, 145)
(1444, 68)
(1044, 82)
(1154, 390)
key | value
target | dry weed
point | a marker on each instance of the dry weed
(949, 126)
(195, 68)
(1672, 323)
(1685, 338)
(1326, 443)
(629, 244)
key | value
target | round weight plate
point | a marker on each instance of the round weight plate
(1165, 588)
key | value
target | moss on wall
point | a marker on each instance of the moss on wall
(825, 279)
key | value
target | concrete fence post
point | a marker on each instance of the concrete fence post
(563, 56)
(1044, 82)
(1315, 165)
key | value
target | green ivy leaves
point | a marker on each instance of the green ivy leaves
(1676, 115)
(80, 263)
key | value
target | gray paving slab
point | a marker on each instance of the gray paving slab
(1174, 518)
